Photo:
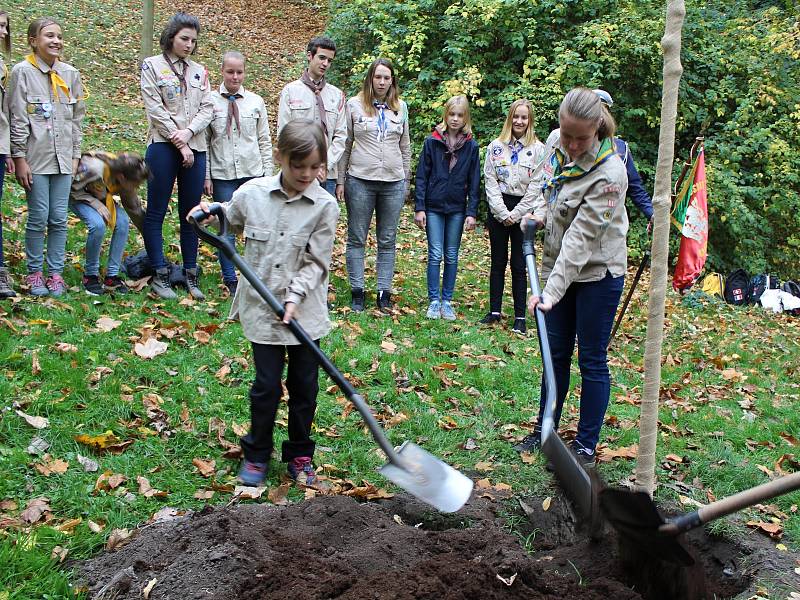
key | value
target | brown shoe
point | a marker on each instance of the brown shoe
(6, 291)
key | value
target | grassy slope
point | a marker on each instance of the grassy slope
(433, 382)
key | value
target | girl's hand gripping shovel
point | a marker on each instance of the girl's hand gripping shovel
(410, 467)
(571, 475)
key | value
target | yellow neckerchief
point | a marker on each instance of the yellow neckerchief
(55, 79)
(111, 189)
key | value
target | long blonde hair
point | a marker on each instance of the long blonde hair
(583, 104)
(450, 105)
(506, 135)
(367, 94)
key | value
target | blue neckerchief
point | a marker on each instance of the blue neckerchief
(515, 147)
(382, 123)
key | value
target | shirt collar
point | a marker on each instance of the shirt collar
(586, 160)
(174, 59)
(43, 66)
(311, 192)
(224, 91)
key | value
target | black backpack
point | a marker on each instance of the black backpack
(793, 288)
(138, 266)
(760, 284)
(737, 287)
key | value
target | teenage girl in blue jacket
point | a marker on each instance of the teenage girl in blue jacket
(448, 178)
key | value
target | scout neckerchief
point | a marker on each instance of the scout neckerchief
(181, 76)
(5, 73)
(111, 189)
(56, 82)
(317, 87)
(452, 147)
(233, 112)
(382, 123)
(573, 173)
(515, 147)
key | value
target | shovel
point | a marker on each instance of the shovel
(571, 475)
(636, 518)
(410, 467)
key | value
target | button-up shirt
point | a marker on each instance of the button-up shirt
(5, 130)
(45, 130)
(247, 151)
(502, 175)
(168, 108)
(288, 243)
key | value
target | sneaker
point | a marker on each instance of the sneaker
(56, 285)
(36, 284)
(115, 285)
(301, 470)
(232, 285)
(192, 284)
(384, 300)
(519, 325)
(448, 314)
(434, 310)
(490, 317)
(6, 291)
(586, 457)
(92, 285)
(161, 286)
(357, 300)
(253, 473)
(531, 442)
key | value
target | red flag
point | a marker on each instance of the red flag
(693, 223)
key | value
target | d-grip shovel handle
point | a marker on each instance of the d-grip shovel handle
(528, 250)
(225, 245)
(731, 504)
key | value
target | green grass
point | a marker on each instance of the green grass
(453, 381)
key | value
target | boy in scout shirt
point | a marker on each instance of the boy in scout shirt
(239, 145)
(46, 110)
(177, 101)
(311, 97)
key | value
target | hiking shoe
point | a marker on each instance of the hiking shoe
(56, 285)
(586, 457)
(490, 318)
(384, 300)
(92, 285)
(253, 473)
(232, 285)
(115, 285)
(192, 284)
(448, 314)
(161, 286)
(357, 300)
(301, 470)
(434, 310)
(6, 291)
(36, 284)
(519, 326)
(531, 442)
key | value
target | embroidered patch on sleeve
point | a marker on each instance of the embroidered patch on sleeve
(612, 188)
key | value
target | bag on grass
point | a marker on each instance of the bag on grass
(737, 287)
(793, 288)
(138, 266)
(713, 284)
(760, 284)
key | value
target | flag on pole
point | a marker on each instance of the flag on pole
(690, 216)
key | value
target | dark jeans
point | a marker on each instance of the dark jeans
(330, 186)
(444, 239)
(164, 161)
(223, 191)
(586, 310)
(265, 395)
(2, 178)
(499, 236)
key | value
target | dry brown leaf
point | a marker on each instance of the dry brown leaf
(59, 554)
(246, 492)
(36, 368)
(66, 348)
(7, 504)
(608, 454)
(150, 349)
(527, 458)
(772, 529)
(99, 373)
(107, 324)
(51, 466)
(388, 347)
(69, 525)
(279, 494)
(223, 372)
(146, 490)
(204, 494)
(35, 509)
(204, 467)
(733, 375)
(546, 503)
(89, 465)
(36, 422)
(201, 336)
(117, 539)
(447, 423)
(484, 466)
(789, 439)
(95, 527)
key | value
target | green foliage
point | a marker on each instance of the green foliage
(740, 90)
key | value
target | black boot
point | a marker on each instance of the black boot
(384, 300)
(357, 301)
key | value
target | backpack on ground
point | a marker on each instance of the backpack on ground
(713, 284)
(138, 266)
(737, 287)
(760, 284)
(792, 287)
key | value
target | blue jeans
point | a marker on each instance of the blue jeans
(385, 199)
(164, 161)
(96, 231)
(223, 191)
(330, 187)
(444, 238)
(587, 311)
(2, 178)
(47, 213)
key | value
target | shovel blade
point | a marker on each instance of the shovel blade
(429, 479)
(571, 475)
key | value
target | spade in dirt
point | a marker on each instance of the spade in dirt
(410, 467)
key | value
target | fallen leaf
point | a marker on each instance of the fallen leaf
(36, 368)
(104, 442)
(150, 349)
(447, 423)
(146, 490)
(546, 503)
(89, 465)
(527, 458)
(50, 466)
(279, 494)
(205, 467)
(107, 324)
(35, 509)
(789, 439)
(165, 514)
(470, 444)
(484, 466)
(69, 525)
(388, 347)
(37, 446)
(733, 375)
(36, 422)
(8, 505)
(247, 492)
(108, 481)
(201, 336)
(95, 527)
(149, 588)
(223, 372)
(774, 530)
(66, 348)
(204, 494)
(608, 454)
(117, 539)
(59, 554)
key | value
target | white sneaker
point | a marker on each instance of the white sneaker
(434, 309)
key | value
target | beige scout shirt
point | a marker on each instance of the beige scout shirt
(502, 177)
(367, 156)
(297, 101)
(247, 152)
(45, 131)
(288, 243)
(585, 226)
(167, 108)
(5, 130)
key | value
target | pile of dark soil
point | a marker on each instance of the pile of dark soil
(336, 547)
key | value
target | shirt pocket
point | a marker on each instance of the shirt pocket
(248, 121)
(298, 243)
(300, 109)
(256, 248)
(219, 124)
(396, 123)
(170, 89)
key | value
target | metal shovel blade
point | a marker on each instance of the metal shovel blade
(426, 477)
(571, 475)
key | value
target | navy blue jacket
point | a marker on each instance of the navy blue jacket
(636, 191)
(441, 190)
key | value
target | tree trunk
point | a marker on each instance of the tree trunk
(648, 422)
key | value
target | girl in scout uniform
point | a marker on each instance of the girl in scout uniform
(6, 291)
(510, 163)
(46, 110)
(177, 102)
(377, 166)
(100, 175)
(582, 208)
